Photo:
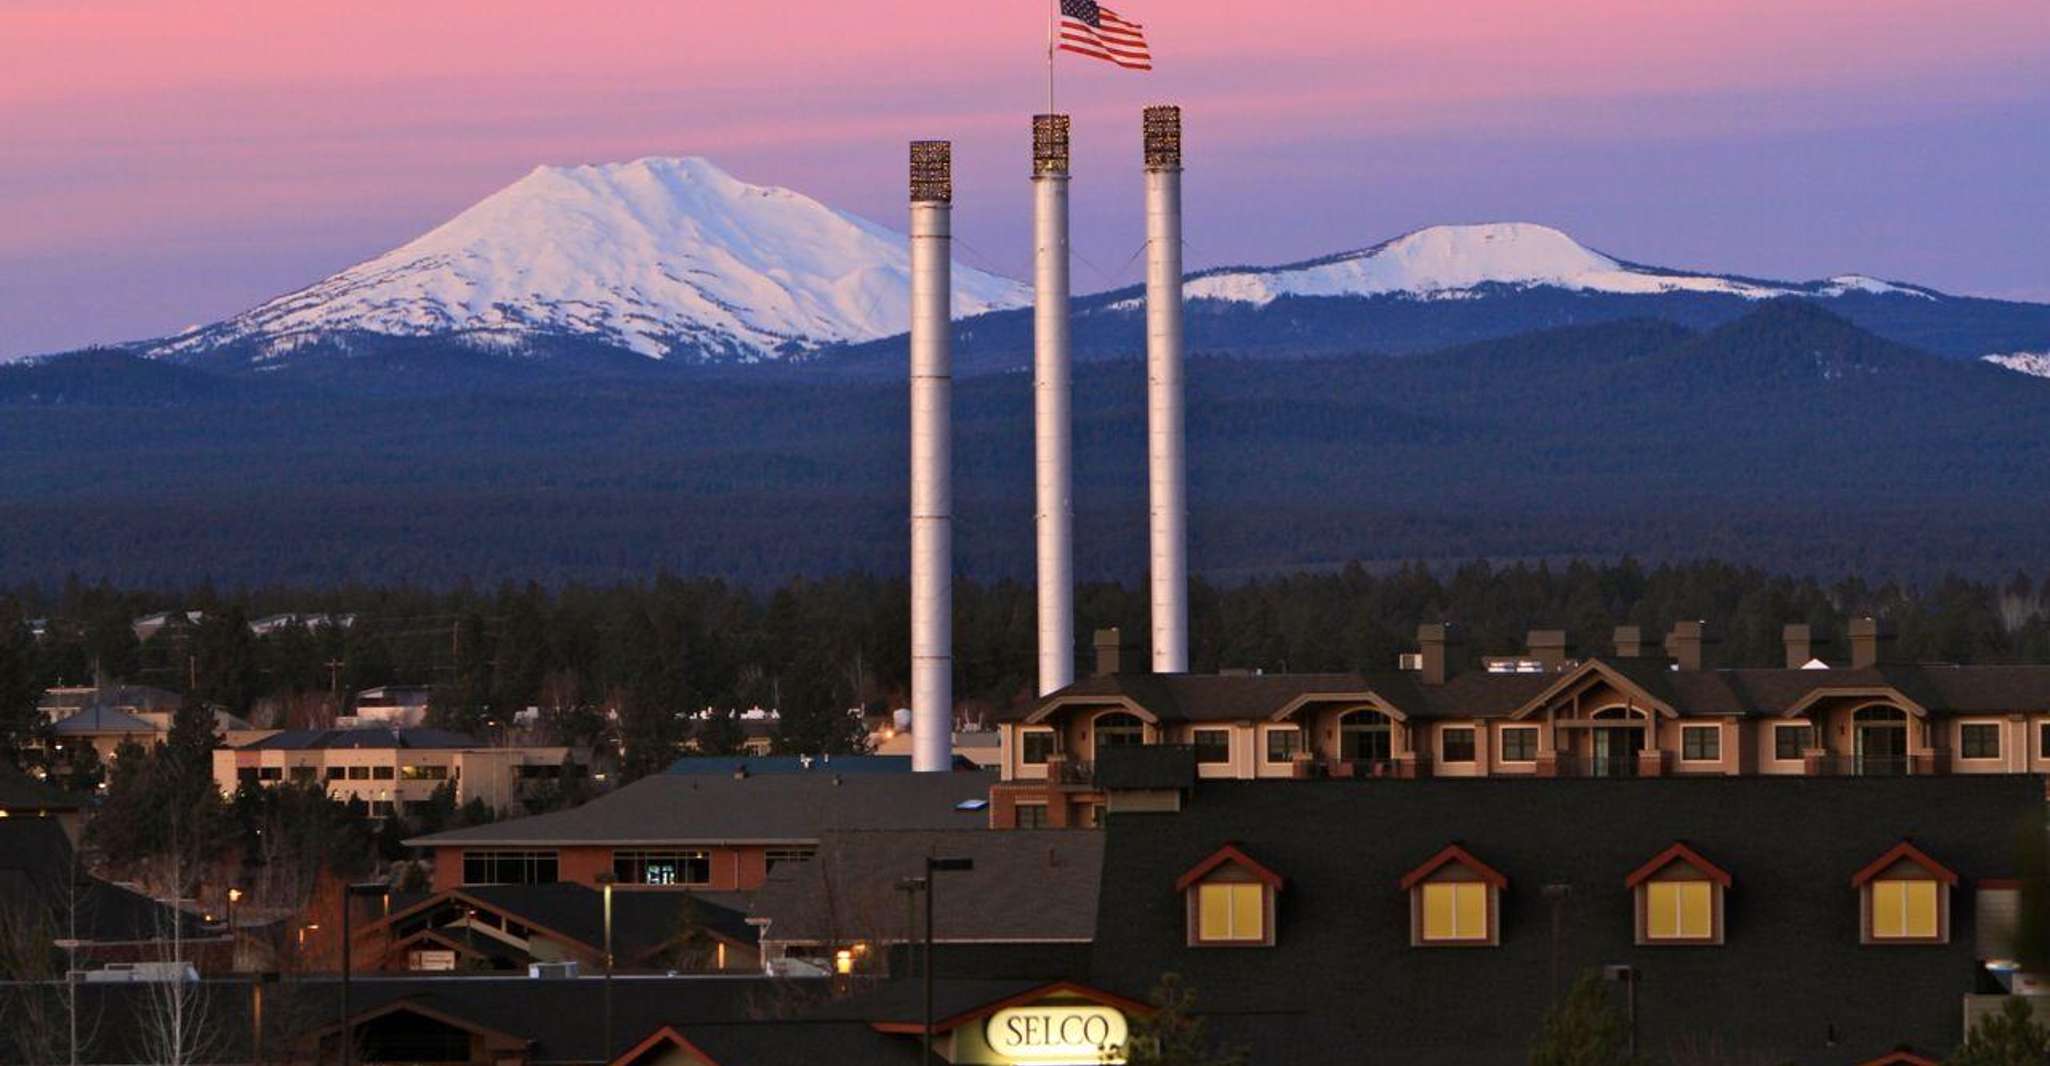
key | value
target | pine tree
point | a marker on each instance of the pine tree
(19, 688)
(1584, 1029)
(2010, 1037)
(1173, 1035)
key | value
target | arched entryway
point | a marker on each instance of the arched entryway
(1614, 741)
(1366, 737)
(1879, 739)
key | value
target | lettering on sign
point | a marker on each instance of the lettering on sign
(1068, 1034)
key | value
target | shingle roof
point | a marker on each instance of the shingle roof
(1027, 885)
(1342, 973)
(1146, 766)
(101, 718)
(1481, 694)
(36, 863)
(691, 765)
(680, 809)
(642, 919)
(20, 792)
(307, 739)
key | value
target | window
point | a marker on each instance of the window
(270, 773)
(1789, 742)
(1978, 740)
(246, 775)
(783, 855)
(359, 773)
(662, 867)
(509, 867)
(381, 773)
(1365, 736)
(1456, 744)
(2043, 741)
(1519, 744)
(1905, 910)
(1282, 744)
(1679, 910)
(303, 774)
(1231, 911)
(336, 773)
(423, 773)
(1034, 745)
(1114, 730)
(1031, 815)
(1213, 746)
(1701, 743)
(1455, 911)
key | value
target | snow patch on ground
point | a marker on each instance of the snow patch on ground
(2035, 364)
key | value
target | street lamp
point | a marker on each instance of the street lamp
(932, 866)
(606, 879)
(349, 892)
(234, 943)
(1626, 975)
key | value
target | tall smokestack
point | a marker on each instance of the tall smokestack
(1167, 472)
(1053, 437)
(932, 492)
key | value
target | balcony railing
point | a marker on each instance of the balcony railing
(1061, 770)
(1863, 765)
(1592, 766)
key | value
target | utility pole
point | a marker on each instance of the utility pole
(334, 678)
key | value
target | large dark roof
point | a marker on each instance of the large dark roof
(1343, 973)
(1482, 694)
(678, 809)
(693, 765)
(36, 867)
(306, 739)
(142, 697)
(1027, 885)
(19, 792)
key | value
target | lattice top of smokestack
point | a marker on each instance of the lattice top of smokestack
(932, 172)
(1049, 144)
(1163, 126)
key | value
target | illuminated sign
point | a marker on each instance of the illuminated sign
(1058, 1033)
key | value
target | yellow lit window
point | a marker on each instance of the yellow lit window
(1231, 912)
(1904, 910)
(1456, 910)
(1679, 910)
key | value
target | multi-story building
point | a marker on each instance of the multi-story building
(396, 770)
(717, 832)
(1641, 711)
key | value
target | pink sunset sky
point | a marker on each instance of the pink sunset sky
(170, 162)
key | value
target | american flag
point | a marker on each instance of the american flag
(1090, 29)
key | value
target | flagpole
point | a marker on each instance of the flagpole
(1052, 8)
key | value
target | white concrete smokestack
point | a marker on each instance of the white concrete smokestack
(932, 459)
(1166, 464)
(1053, 435)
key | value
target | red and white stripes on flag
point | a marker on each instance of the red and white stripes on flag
(1090, 29)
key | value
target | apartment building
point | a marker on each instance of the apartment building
(1639, 710)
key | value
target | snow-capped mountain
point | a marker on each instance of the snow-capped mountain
(1452, 262)
(665, 257)
(2035, 364)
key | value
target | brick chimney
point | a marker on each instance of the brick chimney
(1690, 645)
(1629, 642)
(1444, 651)
(1871, 642)
(1110, 652)
(1548, 647)
(1800, 641)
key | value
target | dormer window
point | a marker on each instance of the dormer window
(1904, 898)
(1230, 898)
(1679, 898)
(1454, 901)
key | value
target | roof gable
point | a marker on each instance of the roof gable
(1228, 854)
(1899, 852)
(665, 1036)
(1677, 853)
(1453, 853)
(1596, 669)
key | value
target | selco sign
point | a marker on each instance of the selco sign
(1067, 1034)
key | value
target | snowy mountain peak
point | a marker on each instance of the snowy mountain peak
(1450, 262)
(664, 256)
(2034, 364)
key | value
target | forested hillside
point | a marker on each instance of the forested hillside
(1787, 439)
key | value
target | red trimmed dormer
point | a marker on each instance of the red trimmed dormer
(1455, 900)
(1904, 897)
(1679, 898)
(1230, 898)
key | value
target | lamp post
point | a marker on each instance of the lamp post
(1627, 976)
(349, 892)
(932, 866)
(234, 942)
(606, 879)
